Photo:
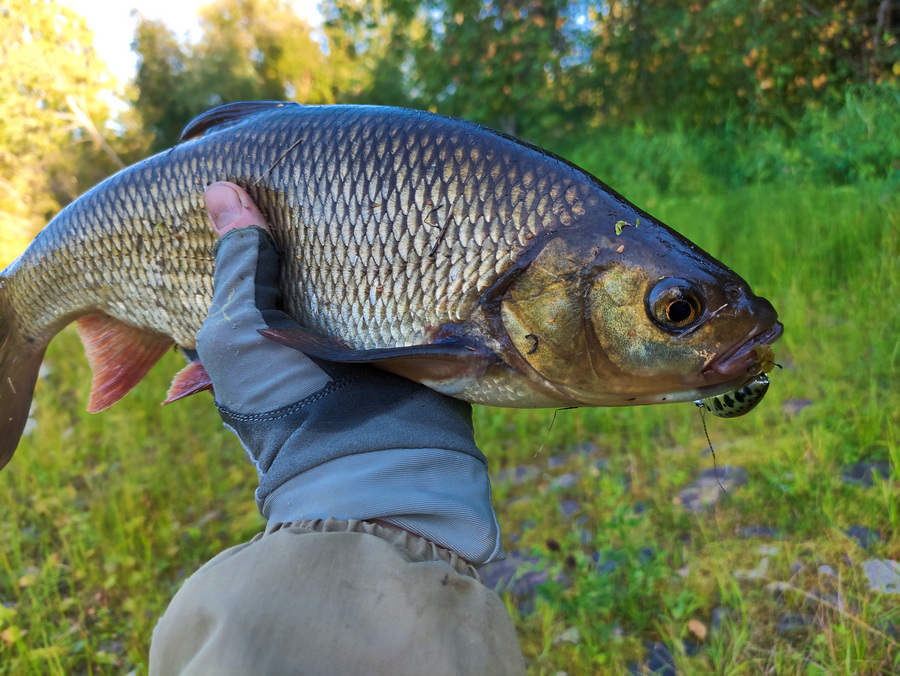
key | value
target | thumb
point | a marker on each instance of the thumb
(229, 206)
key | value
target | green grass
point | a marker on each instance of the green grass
(103, 516)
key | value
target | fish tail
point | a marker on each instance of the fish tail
(20, 361)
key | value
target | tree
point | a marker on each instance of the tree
(707, 62)
(502, 62)
(248, 50)
(370, 45)
(54, 115)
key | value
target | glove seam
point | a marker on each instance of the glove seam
(286, 411)
(267, 236)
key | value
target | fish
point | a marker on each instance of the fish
(449, 253)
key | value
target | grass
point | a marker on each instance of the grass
(102, 517)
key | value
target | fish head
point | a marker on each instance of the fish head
(634, 316)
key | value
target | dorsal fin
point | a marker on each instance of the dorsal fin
(225, 115)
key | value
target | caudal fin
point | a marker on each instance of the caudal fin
(19, 365)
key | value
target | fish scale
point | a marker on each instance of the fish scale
(435, 248)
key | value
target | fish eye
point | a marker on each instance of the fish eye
(674, 304)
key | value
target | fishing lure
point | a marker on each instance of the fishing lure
(739, 402)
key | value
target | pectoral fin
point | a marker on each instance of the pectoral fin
(441, 362)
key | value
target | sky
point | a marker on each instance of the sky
(113, 25)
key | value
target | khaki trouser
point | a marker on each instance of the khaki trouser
(335, 597)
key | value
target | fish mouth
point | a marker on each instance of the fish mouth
(747, 357)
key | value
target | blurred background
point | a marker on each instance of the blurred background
(675, 96)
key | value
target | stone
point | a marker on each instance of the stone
(863, 473)
(604, 566)
(777, 590)
(722, 616)
(792, 623)
(659, 661)
(518, 475)
(794, 406)
(883, 574)
(705, 490)
(506, 575)
(760, 571)
(569, 507)
(585, 448)
(564, 481)
(865, 537)
(646, 554)
(570, 635)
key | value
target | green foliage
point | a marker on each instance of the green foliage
(368, 47)
(531, 68)
(248, 50)
(54, 107)
(482, 60)
(710, 62)
(857, 142)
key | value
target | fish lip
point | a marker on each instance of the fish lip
(742, 358)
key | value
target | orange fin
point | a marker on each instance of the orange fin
(192, 379)
(120, 356)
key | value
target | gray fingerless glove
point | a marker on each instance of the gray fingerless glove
(272, 395)
(239, 361)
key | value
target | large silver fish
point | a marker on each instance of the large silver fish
(479, 265)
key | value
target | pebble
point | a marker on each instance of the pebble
(564, 481)
(569, 507)
(722, 615)
(794, 406)
(883, 574)
(791, 623)
(863, 473)
(827, 570)
(760, 571)
(518, 475)
(659, 661)
(570, 635)
(499, 575)
(585, 448)
(604, 566)
(705, 491)
(865, 537)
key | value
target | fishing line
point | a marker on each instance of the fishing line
(553, 420)
(275, 163)
(703, 409)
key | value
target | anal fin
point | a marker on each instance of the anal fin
(120, 356)
(192, 379)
